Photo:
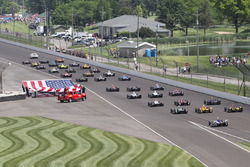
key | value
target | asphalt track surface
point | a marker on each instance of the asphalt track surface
(108, 111)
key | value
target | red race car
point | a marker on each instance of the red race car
(66, 75)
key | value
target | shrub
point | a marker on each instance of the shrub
(124, 34)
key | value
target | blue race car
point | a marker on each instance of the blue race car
(124, 78)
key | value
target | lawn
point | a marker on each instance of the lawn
(38, 141)
(19, 27)
(245, 145)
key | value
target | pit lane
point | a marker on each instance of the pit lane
(97, 113)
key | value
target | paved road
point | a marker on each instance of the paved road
(213, 149)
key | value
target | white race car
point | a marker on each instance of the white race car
(33, 56)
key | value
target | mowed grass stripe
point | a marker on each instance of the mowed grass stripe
(245, 145)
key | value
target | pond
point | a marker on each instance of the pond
(224, 49)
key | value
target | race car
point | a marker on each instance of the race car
(204, 109)
(134, 96)
(100, 78)
(233, 109)
(212, 102)
(179, 110)
(155, 94)
(62, 66)
(109, 74)
(54, 70)
(82, 79)
(218, 122)
(44, 61)
(59, 60)
(74, 64)
(33, 56)
(66, 75)
(156, 87)
(71, 70)
(85, 66)
(35, 64)
(53, 64)
(26, 62)
(113, 89)
(155, 103)
(88, 74)
(124, 78)
(40, 67)
(182, 102)
(133, 88)
(95, 70)
(176, 93)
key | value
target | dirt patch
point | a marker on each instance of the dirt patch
(222, 32)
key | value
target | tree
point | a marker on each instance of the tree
(235, 11)
(205, 18)
(8, 7)
(145, 32)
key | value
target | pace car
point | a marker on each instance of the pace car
(54, 70)
(155, 103)
(176, 93)
(26, 62)
(71, 70)
(124, 78)
(40, 67)
(35, 64)
(134, 96)
(113, 89)
(218, 122)
(100, 78)
(53, 64)
(182, 102)
(155, 94)
(74, 64)
(62, 66)
(88, 74)
(33, 56)
(85, 66)
(44, 61)
(212, 102)
(66, 75)
(156, 87)
(59, 60)
(95, 70)
(179, 110)
(204, 109)
(133, 88)
(83, 79)
(233, 109)
(109, 74)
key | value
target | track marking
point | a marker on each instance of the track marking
(206, 129)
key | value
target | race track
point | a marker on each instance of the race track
(114, 112)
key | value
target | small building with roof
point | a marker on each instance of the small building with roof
(128, 49)
(128, 23)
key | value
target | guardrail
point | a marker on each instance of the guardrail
(211, 92)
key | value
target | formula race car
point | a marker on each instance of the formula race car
(82, 79)
(62, 66)
(133, 88)
(53, 64)
(59, 60)
(109, 74)
(74, 64)
(71, 70)
(156, 87)
(176, 93)
(26, 62)
(100, 78)
(44, 61)
(33, 56)
(124, 78)
(88, 74)
(66, 75)
(212, 102)
(155, 94)
(95, 70)
(182, 102)
(179, 110)
(40, 67)
(233, 109)
(155, 103)
(218, 122)
(35, 64)
(204, 109)
(85, 66)
(54, 70)
(113, 89)
(134, 96)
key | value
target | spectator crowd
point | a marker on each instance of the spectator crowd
(226, 60)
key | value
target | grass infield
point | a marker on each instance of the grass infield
(38, 141)
(245, 145)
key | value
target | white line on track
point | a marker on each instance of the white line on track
(206, 129)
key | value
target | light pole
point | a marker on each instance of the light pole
(137, 49)
(197, 23)
(157, 46)
(102, 13)
(188, 50)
